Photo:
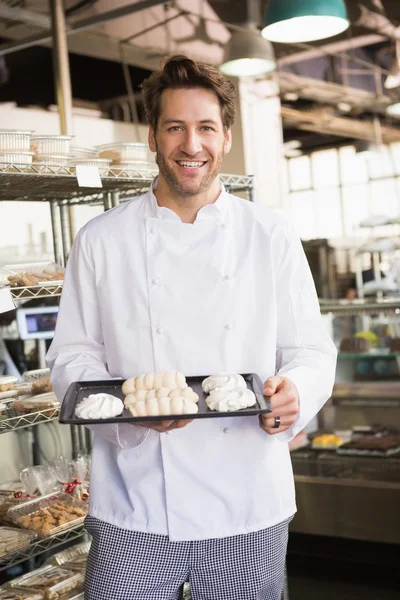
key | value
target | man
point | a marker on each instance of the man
(190, 278)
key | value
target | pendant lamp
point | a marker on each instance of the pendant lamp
(247, 54)
(291, 21)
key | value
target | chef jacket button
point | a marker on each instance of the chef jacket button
(160, 330)
(225, 430)
(224, 226)
(228, 326)
(155, 281)
(228, 277)
(153, 230)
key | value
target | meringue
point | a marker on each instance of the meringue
(99, 406)
(230, 400)
(225, 381)
(154, 381)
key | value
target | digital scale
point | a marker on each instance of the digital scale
(39, 324)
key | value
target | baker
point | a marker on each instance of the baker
(188, 277)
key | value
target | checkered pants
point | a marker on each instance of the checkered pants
(129, 565)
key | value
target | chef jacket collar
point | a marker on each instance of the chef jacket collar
(217, 210)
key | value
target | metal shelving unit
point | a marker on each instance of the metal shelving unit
(41, 545)
(353, 308)
(13, 423)
(46, 183)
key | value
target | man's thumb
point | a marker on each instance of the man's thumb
(272, 384)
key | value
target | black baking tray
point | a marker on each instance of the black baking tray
(81, 389)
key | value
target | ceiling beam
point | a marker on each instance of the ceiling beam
(80, 26)
(332, 48)
(19, 15)
(323, 121)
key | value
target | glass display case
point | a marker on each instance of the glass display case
(348, 471)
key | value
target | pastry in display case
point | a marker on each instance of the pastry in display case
(353, 459)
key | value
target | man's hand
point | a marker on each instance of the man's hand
(285, 404)
(163, 426)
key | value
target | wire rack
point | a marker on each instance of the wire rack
(21, 421)
(39, 546)
(46, 183)
(36, 291)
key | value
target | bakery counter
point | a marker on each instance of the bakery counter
(347, 496)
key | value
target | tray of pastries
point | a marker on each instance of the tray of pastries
(372, 445)
(50, 514)
(52, 581)
(31, 274)
(164, 395)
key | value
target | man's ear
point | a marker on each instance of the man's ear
(228, 141)
(152, 139)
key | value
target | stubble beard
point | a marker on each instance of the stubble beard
(177, 187)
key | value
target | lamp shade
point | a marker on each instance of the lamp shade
(290, 21)
(247, 53)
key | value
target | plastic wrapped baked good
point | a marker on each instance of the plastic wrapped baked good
(49, 514)
(52, 581)
(71, 554)
(42, 402)
(10, 594)
(12, 539)
(7, 387)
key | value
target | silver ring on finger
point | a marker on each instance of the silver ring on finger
(277, 423)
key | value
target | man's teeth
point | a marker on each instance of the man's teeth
(192, 165)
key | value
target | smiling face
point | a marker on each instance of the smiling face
(190, 140)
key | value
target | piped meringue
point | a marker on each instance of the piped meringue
(230, 400)
(99, 406)
(225, 381)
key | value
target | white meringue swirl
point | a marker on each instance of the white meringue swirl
(224, 381)
(99, 406)
(230, 400)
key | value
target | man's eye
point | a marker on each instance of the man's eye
(174, 128)
(207, 128)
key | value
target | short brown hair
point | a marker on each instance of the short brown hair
(182, 72)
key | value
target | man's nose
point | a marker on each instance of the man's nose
(191, 144)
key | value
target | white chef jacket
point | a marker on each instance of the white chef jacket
(231, 292)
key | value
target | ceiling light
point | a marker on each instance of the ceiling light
(291, 21)
(393, 110)
(248, 54)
